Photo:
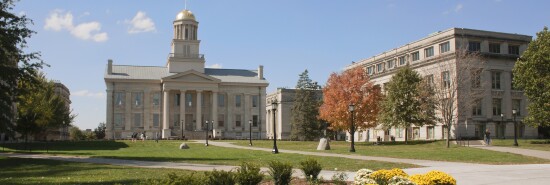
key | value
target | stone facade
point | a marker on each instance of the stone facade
(183, 97)
(500, 50)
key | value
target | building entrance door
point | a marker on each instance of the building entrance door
(189, 123)
(501, 129)
(480, 130)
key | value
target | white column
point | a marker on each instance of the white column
(128, 111)
(166, 115)
(215, 109)
(146, 105)
(182, 110)
(109, 131)
(268, 126)
(199, 110)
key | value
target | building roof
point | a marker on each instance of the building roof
(129, 72)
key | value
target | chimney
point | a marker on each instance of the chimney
(261, 72)
(110, 66)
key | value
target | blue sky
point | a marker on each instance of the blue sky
(286, 36)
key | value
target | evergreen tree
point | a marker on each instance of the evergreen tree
(100, 131)
(532, 75)
(305, 124)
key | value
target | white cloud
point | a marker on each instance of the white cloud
(458, 7)
(86, 93)
(58, 21)
(141, 23)
(21, 13)
(217, 66)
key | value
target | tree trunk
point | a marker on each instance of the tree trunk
(448, 135)
(406, 135)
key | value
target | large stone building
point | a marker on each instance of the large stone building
(61, 133)
(183, 97)
(493, 111)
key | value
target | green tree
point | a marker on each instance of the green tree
(408, 101)
(100, 131)
(532, 75)
(15, 63)
(305, 110)
(76, 134)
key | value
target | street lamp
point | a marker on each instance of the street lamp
(515, 128)
(502, 122)
(352, 129)
(250, 130)
(181, 128)
(274, 108)
(206, 133)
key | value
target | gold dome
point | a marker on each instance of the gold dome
(185, 15)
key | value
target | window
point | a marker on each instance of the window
(156, 99)
(176, 120)
(188, 99)
(399, 132)
(137, 120)
(494, 48)
(445, 131)
(475, 78)
(156, 120)
(402, 60)
(119, 98)
(370, 70)
(497, 106)
(513, 50)
(238, 120)
(428, 52)
(390, 63)
(255, 120)
(474, 46)
(238, 101)
(430, 130)
(203, 101)
(221, 120)
(119, 120)
(476, 108)
(446, 78)
(430, 80)
(380, 67)
(138, 98)
(516, 104)
(444, 47)
(221, 100)
(495, 80)
(415, 56)
(177, 99)
(255, 101)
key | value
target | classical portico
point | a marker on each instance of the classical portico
(178, 99)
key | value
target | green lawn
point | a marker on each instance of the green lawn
(414, 150)
(40, 171)
(169, 151)
(523, 143)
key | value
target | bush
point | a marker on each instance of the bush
(281, 172)
(339, 178)
(220, 178)
(311, 169)
(433, 178)
(248, 174)
(174, 179)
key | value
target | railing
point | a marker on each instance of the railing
(178, 55)
(497, 93)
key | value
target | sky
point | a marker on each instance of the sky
(77, 37)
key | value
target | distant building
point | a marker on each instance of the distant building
(183, 98)
(493, 111)
(61, 133)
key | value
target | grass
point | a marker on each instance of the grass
(198, 153)
(41, 171)
(414, 150)
(523, 143)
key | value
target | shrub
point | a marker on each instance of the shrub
(400, 180)
(281, 172)
(339, 178)
(174, 179)
(248, 174)
(433, 178)
(220, 178)
(382, 177)
(311, 169)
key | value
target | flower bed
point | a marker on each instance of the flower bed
(399, 177)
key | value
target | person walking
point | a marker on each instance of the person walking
(487, 137)
(143, 136)
(157, 137)
(133, 137)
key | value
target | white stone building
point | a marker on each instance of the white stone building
(183, 96)
(493, 111)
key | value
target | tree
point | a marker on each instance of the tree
(15, 64)
(532, 75)
(76, 134)
(100, 131)
(408, 101)
(305, 110)
(350, 87)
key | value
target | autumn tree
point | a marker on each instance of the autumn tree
(408, 101)
(350, 87)
(15, 63)
(305, 124)
(532, 75)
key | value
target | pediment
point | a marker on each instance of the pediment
(191, 76)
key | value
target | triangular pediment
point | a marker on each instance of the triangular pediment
(191, 76)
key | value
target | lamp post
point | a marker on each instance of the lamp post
(181, 128)
(502, 122)
(250, 130)
(206, 133)
(274, 108)
(352, 129)
(515, 128)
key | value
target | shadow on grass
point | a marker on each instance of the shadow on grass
(392, 143)
(66, 145)
(165, 159)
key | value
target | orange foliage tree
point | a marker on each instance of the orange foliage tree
(350, 87)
